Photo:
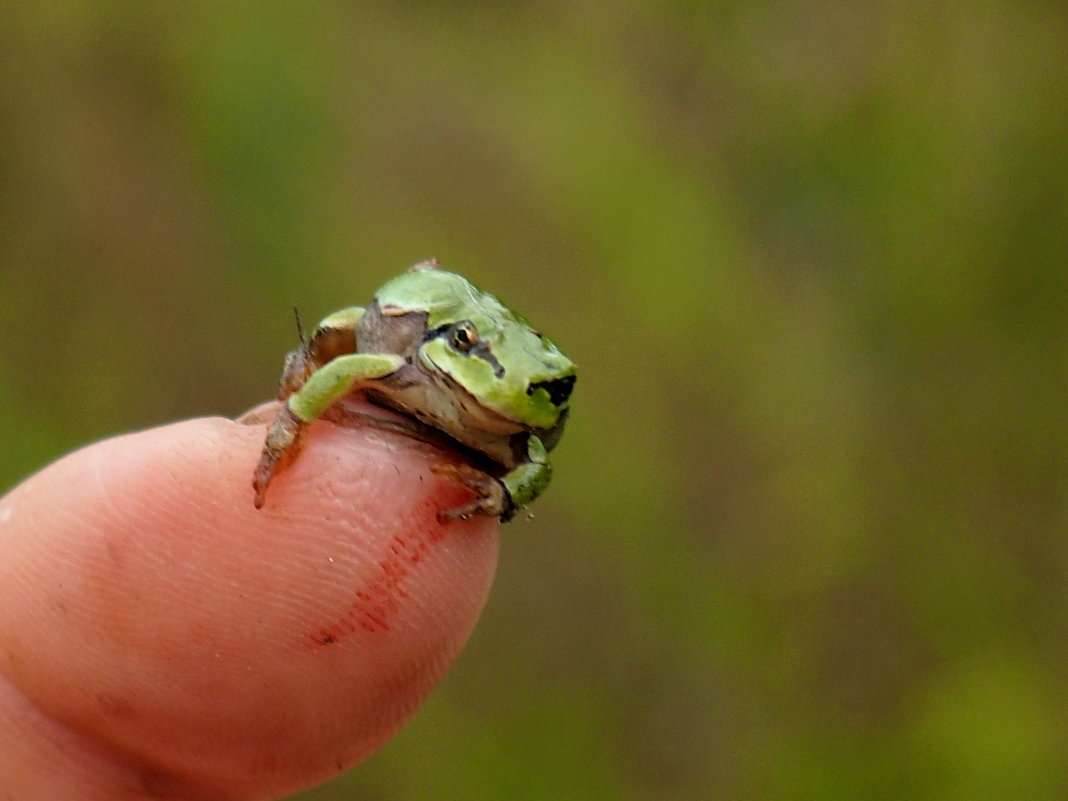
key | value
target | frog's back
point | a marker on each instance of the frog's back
(443, 295)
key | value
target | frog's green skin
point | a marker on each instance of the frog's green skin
(436, 348)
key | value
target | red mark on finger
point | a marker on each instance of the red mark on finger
(375, 604)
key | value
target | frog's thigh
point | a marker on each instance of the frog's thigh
(337, 377)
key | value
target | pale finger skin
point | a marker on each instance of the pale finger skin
(173, 642)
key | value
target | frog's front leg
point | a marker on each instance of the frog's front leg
(330, 382)
(502, 497)
(530, 478)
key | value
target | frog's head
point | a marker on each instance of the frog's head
(503, 367)
(497, 371)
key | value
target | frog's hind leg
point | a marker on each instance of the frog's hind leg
(330, 382)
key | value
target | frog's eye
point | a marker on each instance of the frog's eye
(463, 336)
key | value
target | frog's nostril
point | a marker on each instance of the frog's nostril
(559, 389)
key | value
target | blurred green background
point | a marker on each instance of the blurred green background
(808, 534)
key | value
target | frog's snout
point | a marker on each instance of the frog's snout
(559, 389)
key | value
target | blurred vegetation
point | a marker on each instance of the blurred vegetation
(808, 535)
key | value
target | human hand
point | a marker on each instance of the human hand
(160, 638)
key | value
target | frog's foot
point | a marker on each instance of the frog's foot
(284, 441)
(490, 499)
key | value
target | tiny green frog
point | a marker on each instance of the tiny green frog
(437, 349)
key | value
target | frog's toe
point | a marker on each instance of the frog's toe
(490, 499)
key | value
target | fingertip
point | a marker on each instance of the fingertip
(146, 600)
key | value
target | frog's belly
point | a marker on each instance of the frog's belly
(455, 414)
